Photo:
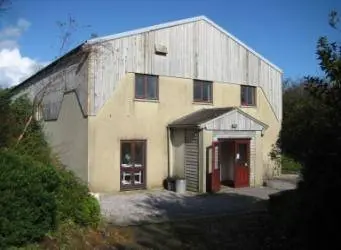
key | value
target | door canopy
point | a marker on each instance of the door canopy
(228, 119)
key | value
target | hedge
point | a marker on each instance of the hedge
(27, 201)
(36, 198)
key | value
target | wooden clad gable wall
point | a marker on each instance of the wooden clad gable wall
(226, 122)
(196, 50)
(49, 87)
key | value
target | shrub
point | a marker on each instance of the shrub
(5, 127)
(74, 201)
(27, 200)
(289, 165)
(90, 212)
(36, 195)
(33, 142)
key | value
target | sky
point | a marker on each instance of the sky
(283, 31)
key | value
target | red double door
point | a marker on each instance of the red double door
(240, 151)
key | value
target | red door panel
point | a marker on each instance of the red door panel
(215, 167)
(242, 163)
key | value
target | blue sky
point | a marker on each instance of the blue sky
(285, 32)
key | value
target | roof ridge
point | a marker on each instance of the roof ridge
(146, 29)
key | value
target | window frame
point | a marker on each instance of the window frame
(133, 169)
(145, 87)
(254, 94)
(202, 83)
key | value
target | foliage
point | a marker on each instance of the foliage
(311, 135)
(322, 173)
(4, 118)
(38, 195)
(74, 201)
(27, 200)
(14, 116)
(33, 143)
(300, 121)
(289, 165)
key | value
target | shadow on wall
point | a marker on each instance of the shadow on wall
(186, 231)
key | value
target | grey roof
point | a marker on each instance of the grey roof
(198, 117)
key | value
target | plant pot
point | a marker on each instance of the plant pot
(180, 185)
(170, 184)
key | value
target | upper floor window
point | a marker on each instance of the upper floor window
(146, 87)
(248, 95)
(202, 91)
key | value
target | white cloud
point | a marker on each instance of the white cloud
(14, 67)
(14, 32)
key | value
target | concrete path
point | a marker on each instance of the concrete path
(283, 182)
(160, 205)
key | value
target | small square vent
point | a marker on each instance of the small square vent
(161, 49)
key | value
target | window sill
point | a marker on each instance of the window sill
(203, 103)
(146, 100)
(248, 106)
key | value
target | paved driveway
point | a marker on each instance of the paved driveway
(156, 206)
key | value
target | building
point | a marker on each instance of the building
(182, 98)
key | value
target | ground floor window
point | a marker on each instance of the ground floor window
(133, 164)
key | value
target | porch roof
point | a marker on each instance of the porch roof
(226, 118)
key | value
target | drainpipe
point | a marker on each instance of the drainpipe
(168, 151)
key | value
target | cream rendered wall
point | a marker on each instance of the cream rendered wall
(68, 136)
(263, 112)
(259, 166)
(122, 118)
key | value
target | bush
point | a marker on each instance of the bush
(74, 201)
(90, 213)
(289, 165)
(27, 201)
(36, 195)
(33, 142)
(37, 198)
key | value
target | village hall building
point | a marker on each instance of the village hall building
(184, 98)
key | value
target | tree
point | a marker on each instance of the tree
(311, 133)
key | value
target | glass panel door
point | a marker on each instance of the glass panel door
(133, 164)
